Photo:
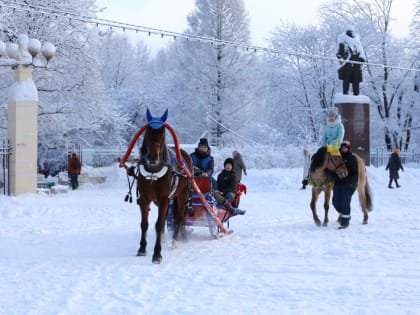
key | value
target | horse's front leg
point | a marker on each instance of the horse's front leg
(315, 195)
(326, 206)
(144, 225)
(160, 224)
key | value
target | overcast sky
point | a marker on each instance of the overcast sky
(265, 15)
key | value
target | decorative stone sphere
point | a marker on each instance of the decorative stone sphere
(48, 50)
(34, 46)
(2, 49)
(12, 50)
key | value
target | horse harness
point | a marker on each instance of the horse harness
(336, 167)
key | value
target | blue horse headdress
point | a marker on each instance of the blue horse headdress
(156, 122)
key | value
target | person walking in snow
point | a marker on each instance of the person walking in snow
(238, 166)
(394, 165)
(74, 169)
(306, 166)
(344, 188)
(350, 49)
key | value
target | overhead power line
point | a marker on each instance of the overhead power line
(165, 33)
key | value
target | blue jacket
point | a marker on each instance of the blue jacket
(204, 161)
(333, 131)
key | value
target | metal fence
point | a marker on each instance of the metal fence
(380, 156)
(5, 151)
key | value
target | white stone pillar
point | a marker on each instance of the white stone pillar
(23, 132)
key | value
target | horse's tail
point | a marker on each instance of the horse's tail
(368, 196)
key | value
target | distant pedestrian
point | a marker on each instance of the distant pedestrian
(238, 166)
(394, 165)
(74, 169)
(306, 165)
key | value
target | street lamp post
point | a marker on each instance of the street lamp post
(23, 110)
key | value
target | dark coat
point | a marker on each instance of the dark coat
(353, 175)
(226, 182)
(349, 71)
(394, 165)
(204, 161)
(344, 188)
(238, 166)
(350, 49)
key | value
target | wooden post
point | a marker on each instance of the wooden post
(23, 132)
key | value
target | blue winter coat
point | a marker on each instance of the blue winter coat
(333, 131)
(204, 161)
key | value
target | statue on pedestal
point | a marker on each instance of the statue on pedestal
(350, 49)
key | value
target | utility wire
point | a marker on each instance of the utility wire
(144, 29)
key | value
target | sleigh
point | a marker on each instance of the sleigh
(200, 216)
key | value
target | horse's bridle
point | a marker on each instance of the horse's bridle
(336, 167)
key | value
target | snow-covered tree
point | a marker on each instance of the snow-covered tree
(390, 90)
(73, 106)
(303, 83)
(211, 76)
(126, 74)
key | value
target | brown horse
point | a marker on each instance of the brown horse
(158, 180)
(329, 157)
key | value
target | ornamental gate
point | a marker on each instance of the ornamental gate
(5, 152)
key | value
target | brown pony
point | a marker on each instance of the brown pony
(158, 180)
(329, 157)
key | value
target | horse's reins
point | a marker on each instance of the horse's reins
(181, 167)
(333, 163)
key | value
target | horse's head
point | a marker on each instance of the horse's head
(335, 161)
(153, 150)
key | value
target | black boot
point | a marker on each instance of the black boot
(389, 184)
(231, 209)
(396, 183)
(344, 223)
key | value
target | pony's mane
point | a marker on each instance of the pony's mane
(318, 158)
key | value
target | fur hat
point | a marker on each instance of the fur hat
(396, 150)
(228, 161)
(203, 142)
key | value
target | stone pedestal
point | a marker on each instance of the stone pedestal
(355, 116)
(23, 132)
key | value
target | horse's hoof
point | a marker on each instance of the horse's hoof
(318, 223)
(157, 259)
(173, 244)
(365, 222)
(141, 253)
(325, 224)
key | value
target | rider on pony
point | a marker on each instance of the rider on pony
(333, 134)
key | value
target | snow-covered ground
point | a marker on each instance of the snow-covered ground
(74, 253)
